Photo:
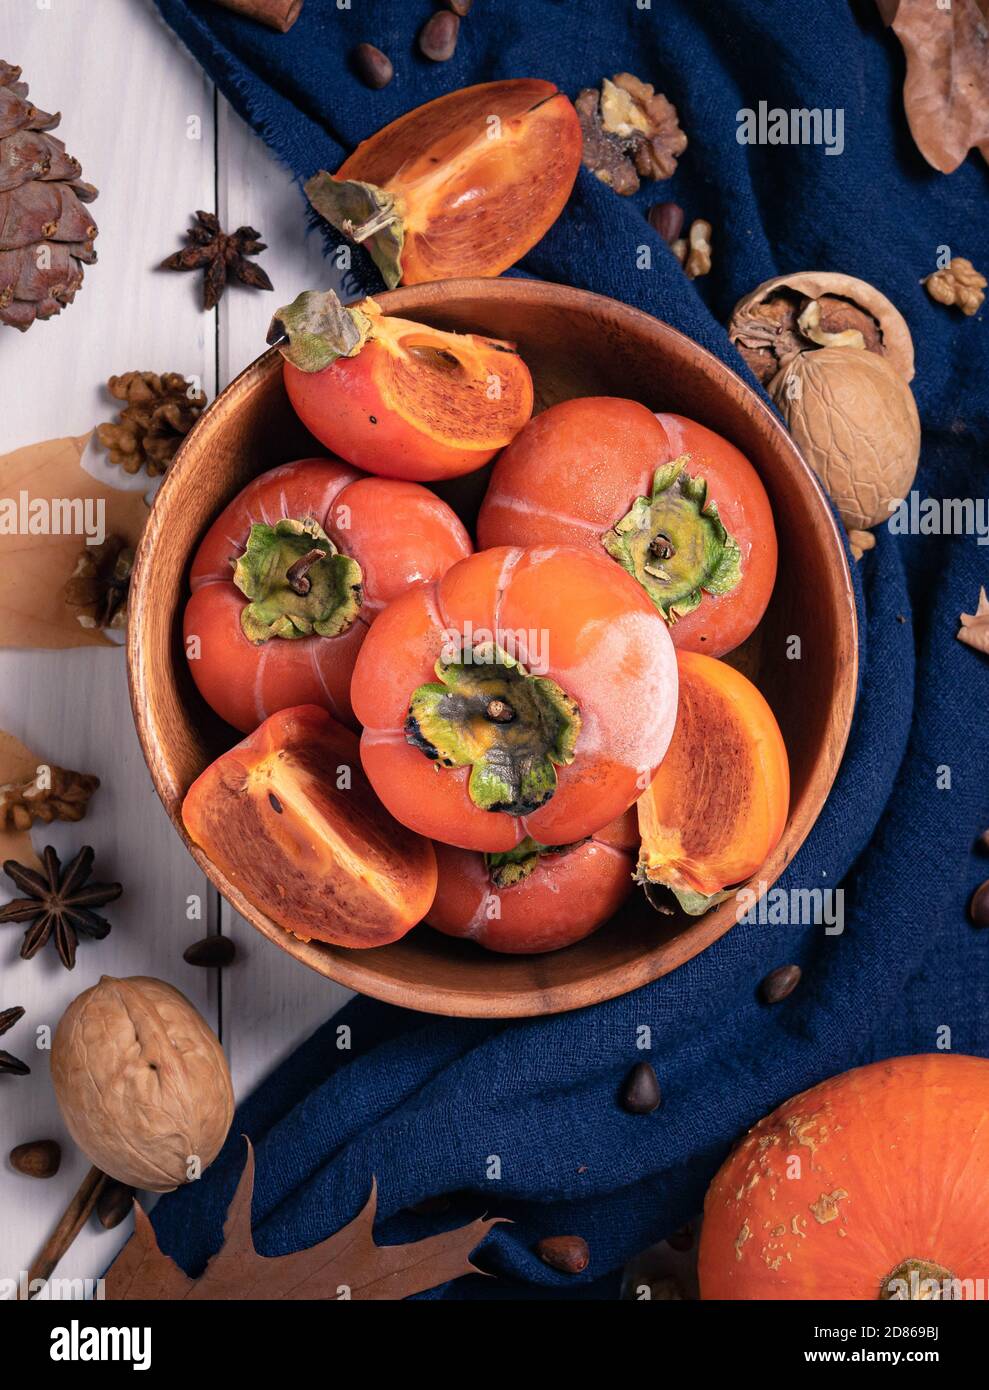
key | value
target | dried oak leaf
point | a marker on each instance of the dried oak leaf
(974, 630)
(946, 92)
(160, 411)
(345, 1265)
(46, 499)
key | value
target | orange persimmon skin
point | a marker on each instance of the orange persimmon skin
(400, 534)
(576, 469)
(351, 408)
(893, 1158)
(510, 187)
(565, 898)
(718, 804)
(595, 633)
(315, 851)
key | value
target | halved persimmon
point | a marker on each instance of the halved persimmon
(398, 398)
(526, 693)
(464, 185)
(292, 573)
(718, 804)
(290, 819)
(671, 501)
(535, 898)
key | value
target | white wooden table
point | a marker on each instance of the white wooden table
(159, 142)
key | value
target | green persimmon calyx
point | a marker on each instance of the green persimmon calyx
(298, 583)
(693, 903)
(511, 728)
(675, 544)
(315, 329)
(514, 866)
(364, 213)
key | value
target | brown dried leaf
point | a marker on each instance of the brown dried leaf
(347, 1264)
(974, 630)
(946, 92)
(36, 568)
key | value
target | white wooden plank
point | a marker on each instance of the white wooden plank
(270, 1001)
(130, 98)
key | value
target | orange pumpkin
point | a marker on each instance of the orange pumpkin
(872, 1185)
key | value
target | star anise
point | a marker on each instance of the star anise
(59, 903)
(13, 1066)
(221, 255)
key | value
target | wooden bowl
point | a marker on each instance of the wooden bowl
(576, 344)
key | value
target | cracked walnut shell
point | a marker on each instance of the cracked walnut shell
(817, 309)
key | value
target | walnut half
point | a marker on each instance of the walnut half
(631, 131)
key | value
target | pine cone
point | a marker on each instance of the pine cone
(160, 412)
(45, 232)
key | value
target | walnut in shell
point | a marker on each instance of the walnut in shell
(817, 309)
(142, 1082)
(855, 421)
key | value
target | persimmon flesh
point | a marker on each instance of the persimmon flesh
(464, 185)
(535, 898)
(258, 640)
(290, 819)
(526, 693)
(398, 398)
(718, 804)
(671, 501)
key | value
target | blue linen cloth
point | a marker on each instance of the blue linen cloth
(423, 1103)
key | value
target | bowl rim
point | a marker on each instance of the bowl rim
(353, 968)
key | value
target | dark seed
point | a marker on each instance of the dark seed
(568, 1254)
(39, 1159)
(274, 803)
(114, 1204)
(460, 7)
(779, 983)
(374, 68)
(681, 1240)
(666, 219)
(978, 908)
(8, 1017)
(373, 419)
(13, 1066)
(210, 951)
(640, 1090)
(438, 40)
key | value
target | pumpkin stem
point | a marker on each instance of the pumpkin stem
(917, 1280)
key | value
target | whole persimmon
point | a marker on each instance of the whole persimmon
(289, 818)
(464, 185)
(671, 501)
(535, 898)
(398, 398)
(292, 573)
(526, 693)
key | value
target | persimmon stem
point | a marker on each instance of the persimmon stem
(499, 712)
(662, 547)
(298, 573)
(386, 217)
